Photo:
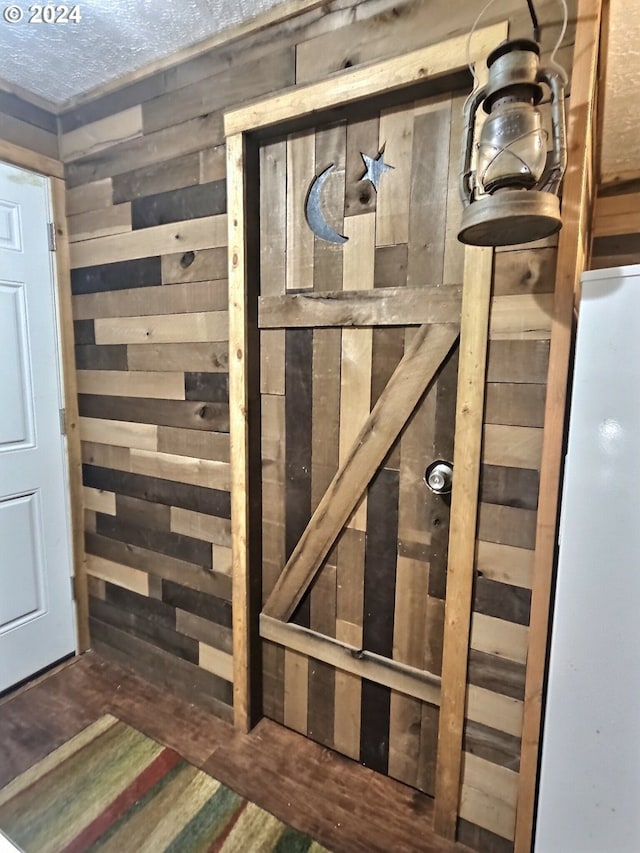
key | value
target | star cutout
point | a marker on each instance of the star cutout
(375, 169)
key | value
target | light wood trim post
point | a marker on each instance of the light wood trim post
(244, 413)
(70, 386)
(573, 249)
(474, 331)
(238, 428)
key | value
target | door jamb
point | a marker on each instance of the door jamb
(54, 170)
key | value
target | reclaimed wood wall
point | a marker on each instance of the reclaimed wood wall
(616, 227)
(146, 205)
(29, 126)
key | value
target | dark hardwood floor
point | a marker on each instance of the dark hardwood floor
(345, 806)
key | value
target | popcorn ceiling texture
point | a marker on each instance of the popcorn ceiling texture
(113, 37)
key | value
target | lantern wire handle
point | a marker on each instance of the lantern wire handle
(534, 21)
(552, 61)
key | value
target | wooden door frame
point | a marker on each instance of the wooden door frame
(299, 104)
(54, 170)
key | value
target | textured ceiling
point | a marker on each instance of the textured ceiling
(59, 61)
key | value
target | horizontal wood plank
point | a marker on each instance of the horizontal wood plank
(211, 357)
(99, 501)
(118, 574)
(99, 223)
(505, 563)
(101, 134)
(205, 233)
(181, 469)
(97, 195)
(119, 433)
(498, 637)
(159, 329)
(616, 215)
(139, 301)
(514, 446)
(393, 306)
(127, 383)
(499, 712)
(397, 676)
(216, 661)
(196, 443)
(201, 526)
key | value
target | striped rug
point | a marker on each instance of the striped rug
(111, 788)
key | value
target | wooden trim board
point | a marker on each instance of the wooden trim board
(239, 430)
(389, 306)
(369, 81)
(573, 250)
(474, 330)
(26, 159)
(72, 418)
(397, 676)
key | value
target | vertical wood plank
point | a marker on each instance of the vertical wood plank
(273, 218)
(301, 164)
(296, 695)
(453, 248)
(298, 428)
(394, 194)
(330, 150)
(362, 138)
(357, 344)
(273, 490)
(412, 584)
(324, 464)
(573, 251)
(239, 430)
(462, 533)
(273, 245)
(70, 384)
(429, 174)
(378, 620)
(355, 402)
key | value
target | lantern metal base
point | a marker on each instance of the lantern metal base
(510, 217)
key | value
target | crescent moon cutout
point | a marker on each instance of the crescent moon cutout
(313, 210)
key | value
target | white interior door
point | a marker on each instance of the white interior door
(36, 607)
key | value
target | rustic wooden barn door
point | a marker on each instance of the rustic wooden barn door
(346, 290)
(359, 314)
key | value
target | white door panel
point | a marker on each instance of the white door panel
(16, 387)
(36, 609)
(21, 537)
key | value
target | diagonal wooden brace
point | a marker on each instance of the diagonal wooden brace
(410, 380)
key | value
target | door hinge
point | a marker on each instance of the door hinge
(63, 421)
(51, 233)
(74, 596)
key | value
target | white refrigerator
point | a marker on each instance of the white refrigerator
(589, 797)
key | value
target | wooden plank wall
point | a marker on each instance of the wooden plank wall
(27, 125)
(616, 227)
(145, 171)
